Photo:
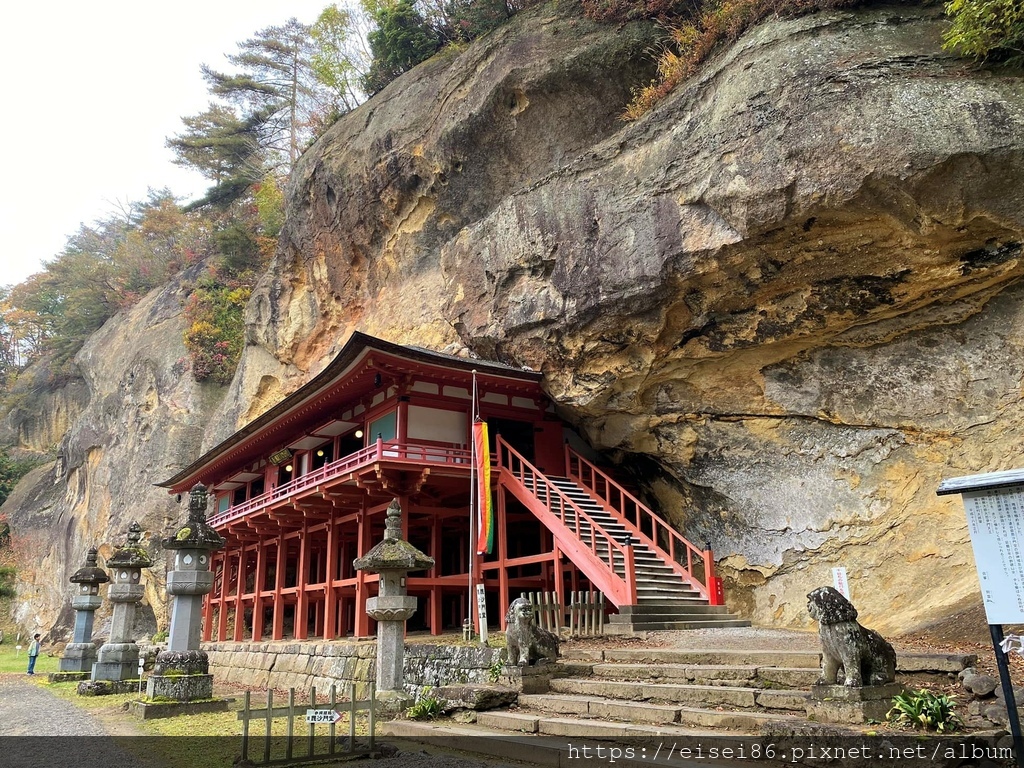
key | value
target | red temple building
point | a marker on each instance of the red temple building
(302, 490)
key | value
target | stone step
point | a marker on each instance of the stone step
(710, 674)
(602, 729)
(668, 592)
(682, 616)
(735, 720)
(621, 629)
(690, 695)
(735, 657)
(616, 710)
(788, 664)
(657, 610)
(702, 674)
(608, 709)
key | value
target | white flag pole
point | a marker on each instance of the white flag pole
(472, 502)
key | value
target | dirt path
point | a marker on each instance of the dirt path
(54, 733)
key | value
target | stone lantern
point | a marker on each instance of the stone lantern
(182, 672)
(80, 653)
(393, 558)
(119, 656)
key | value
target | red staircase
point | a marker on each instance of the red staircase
(652, 574)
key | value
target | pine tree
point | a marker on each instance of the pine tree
(274, 86)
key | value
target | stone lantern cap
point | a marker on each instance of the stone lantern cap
(90, 573)
(393, 553)
(132, 554)
(196, 533)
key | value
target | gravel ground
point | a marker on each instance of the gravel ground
(39, 730)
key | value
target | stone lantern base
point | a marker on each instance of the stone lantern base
(181, 675)
(392, 702)
(117, 661)
(183, 688)
(78, 657)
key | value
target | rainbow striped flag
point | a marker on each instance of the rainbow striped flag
(485, 539)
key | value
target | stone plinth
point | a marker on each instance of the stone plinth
(117, 661)
(529, 679)
(851, 704)
(182, 688)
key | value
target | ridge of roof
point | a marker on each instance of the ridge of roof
(356, 344)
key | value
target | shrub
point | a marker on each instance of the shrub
(712, 23)
(215, 335)
(427, 708)
(924, 709)
(986, 29)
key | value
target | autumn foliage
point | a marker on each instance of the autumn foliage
(707, 26)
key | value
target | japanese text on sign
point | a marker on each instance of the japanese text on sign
(322, 716)
(995, 520)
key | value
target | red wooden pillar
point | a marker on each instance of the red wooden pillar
(302, 607)
(239, 590)
(330, 599)
(258, 586)
(362, 620)
(222, 613)
(501, 528)
(343, 603)
(436, 619)
(208, 602)
(559, 578)
(277, 631)
(402, 428)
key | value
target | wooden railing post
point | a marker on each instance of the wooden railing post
(245, 727)
(380, 447)
(714, 593)
(630, 565)
(270, 725)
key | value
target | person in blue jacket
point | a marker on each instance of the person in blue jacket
(33, 652)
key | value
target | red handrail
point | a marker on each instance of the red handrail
(632, 513)
(621, 590)
(379, 451)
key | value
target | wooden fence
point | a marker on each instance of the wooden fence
(583, 616)
(321, 714)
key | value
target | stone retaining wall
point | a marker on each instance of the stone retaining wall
(300, 665)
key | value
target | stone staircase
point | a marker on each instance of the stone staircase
(664, 600)
(675, 691)
(652, 698)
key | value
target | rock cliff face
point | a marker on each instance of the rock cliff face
(137, 420)
(788, 299)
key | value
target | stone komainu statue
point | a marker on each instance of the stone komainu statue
(526, 642)
(863, 655)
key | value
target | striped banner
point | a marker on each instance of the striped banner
(485, 539)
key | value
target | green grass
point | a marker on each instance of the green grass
(12, 660)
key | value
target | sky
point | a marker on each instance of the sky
(93, 92)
